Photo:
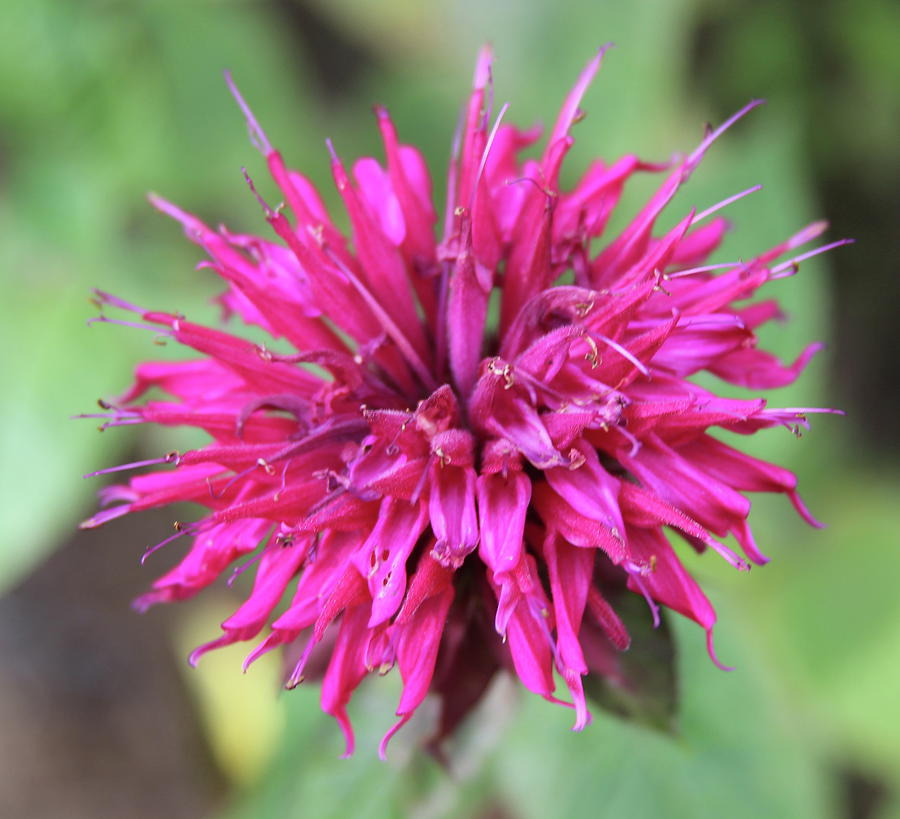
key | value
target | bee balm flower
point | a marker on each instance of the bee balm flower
(433, 483)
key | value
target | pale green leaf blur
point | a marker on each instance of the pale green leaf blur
(101, 102)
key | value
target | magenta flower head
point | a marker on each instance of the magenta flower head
(465, 433)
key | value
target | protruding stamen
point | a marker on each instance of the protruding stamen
(623, 352)
(724, 203)
(101, 297)
(237, 571)
(488, 144)
(635, 443)
(136, 325)
(706, 268)
(231, 482)
(262, 202)
(166, 459)
(637, 573)
(182, 530)
(257, 135)
(277, 496)
(694, 159)
(114, 415)
(297, 674)
(791, 264)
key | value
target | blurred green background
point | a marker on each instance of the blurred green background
(103, 101)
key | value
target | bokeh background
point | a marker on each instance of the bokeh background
(102, 101)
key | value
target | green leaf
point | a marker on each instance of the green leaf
(647, 689)
(740, 752)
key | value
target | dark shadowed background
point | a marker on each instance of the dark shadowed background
(103, 101)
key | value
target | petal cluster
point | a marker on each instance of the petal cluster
(464, 434)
